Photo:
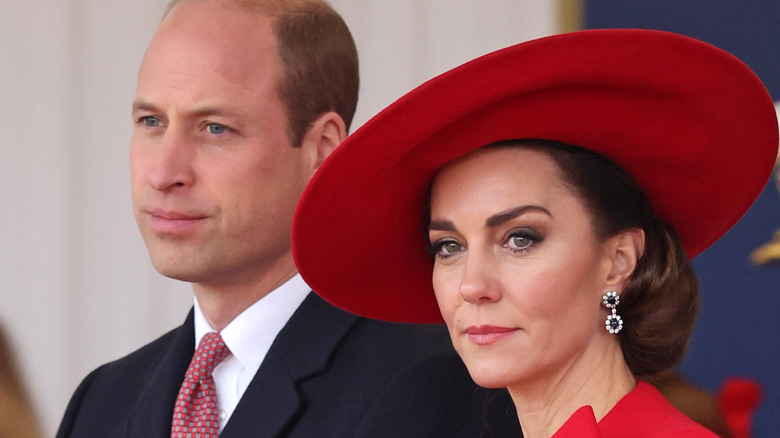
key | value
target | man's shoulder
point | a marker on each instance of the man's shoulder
(102, 403)
(134, 367)
(416, 339)
(149, 354)
(435, 396)
(363, 377)
(367, 338)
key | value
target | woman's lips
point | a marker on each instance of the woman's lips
(488, 334)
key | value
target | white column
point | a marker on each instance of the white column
(402, 43)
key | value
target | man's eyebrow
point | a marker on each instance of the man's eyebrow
(217, 111)
(144, 106)
(507, 215)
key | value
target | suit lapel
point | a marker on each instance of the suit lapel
(302, 349)
(153, 413)
(269, 402)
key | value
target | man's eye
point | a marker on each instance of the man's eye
(151, 122)
(215, 128)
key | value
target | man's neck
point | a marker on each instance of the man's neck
(222, 303)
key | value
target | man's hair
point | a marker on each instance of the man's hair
(318, 59)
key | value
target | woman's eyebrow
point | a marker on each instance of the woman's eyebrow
(441, 225)
(507, 215)
(493, 221)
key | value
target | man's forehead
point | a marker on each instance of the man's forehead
(197, 39)
(215, 17)
(268, 9)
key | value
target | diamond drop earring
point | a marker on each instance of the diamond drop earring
(614, 322)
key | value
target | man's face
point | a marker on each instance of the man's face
(215, 179)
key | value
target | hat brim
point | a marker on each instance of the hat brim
(691, 123)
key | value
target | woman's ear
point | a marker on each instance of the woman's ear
(625, 250)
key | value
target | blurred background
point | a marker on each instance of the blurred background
(76, 285)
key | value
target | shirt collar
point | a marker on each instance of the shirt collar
(250, 335)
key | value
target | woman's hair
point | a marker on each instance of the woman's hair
(661, 298)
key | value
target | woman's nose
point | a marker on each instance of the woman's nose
(479, 283)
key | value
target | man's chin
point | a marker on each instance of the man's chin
(176, 275)
(176, 269)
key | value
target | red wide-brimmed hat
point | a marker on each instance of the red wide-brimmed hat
(691, 123)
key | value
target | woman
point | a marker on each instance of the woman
(560, 187)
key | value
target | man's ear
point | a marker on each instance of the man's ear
(625, 250)
(323, 137)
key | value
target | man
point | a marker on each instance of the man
(238, 103)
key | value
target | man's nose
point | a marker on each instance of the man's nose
(172, 161)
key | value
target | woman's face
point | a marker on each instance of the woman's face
(519, 272)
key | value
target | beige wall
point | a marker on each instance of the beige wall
(76, 286)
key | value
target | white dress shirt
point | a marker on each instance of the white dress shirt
(249, 337)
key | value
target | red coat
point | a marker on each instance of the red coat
(642, 413)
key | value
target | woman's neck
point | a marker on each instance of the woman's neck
(593, 379)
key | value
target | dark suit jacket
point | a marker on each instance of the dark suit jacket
(327, 374)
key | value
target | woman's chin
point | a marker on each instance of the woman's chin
(489, 375)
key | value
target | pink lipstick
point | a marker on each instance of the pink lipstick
(488, 334)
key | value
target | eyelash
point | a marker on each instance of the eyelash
(435, 248)
(225, 129)
(533, 237)
(144, 119)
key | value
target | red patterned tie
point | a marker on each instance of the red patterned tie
(195, 414)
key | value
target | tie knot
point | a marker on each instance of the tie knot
(211, 351)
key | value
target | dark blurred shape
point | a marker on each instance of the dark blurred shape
(17, 419)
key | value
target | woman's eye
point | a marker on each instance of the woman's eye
(446, 248)
(519, 242)
(522, 240)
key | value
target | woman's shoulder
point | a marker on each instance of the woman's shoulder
(643, 413)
